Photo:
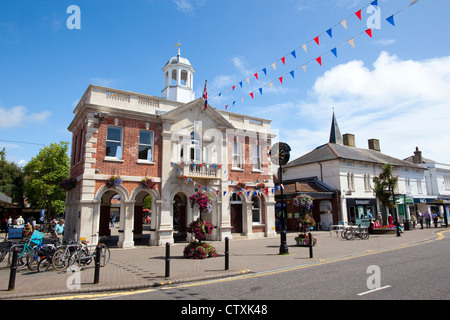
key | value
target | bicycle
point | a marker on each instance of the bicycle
(27, 252)
(85, 255)
(65, 255)
(346, 231)
(79, 252)
(6, 250)
(45, 254)
(359, 232)
(34, 257)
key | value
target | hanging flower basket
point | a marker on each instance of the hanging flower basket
(260, 186)
(198, 249)
(240, 186)
(148, 183)
(306, 222)
(202, 200)
(114, 181)
(303, 201)
(200, 228)
(68, 184)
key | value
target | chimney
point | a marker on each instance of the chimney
(417, 159)
(349, 140)
(374, 144)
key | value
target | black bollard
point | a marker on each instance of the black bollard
(167, 260)
(227, 254)
(97, 265)
(13, 267)
(283, 245)
(310, 246)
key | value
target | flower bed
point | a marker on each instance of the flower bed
(384, 230)
(197, 250)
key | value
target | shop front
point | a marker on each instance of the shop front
(360, 211)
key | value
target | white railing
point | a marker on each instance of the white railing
(202, 170)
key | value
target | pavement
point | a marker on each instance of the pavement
(144, 266)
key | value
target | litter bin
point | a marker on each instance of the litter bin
(407, 224)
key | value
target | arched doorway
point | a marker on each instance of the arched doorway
(236, 213)
(110, 214)
(180, 217)
(142, 218)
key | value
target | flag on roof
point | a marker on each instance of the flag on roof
(205, 96)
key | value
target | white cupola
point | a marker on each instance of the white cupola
(178, 80)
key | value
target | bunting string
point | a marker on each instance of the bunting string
(319, 60)
(293, 53)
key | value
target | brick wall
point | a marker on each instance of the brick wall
(130, 148)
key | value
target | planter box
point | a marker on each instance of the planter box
(301, 242)
(384, 231)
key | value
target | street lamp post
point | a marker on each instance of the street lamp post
(279, 155)
(283, 245)
(397, 223)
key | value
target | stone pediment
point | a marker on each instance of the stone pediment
(194, 111)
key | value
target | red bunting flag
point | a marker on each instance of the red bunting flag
(358, 14)
(316, 39)
(256, 76)
(369, 32)
(283, 60)
(251, 94)
(234, 87)
(319, 60)
(281, 79)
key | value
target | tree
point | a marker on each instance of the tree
(44, 174)
(11, 180)
(384, 186)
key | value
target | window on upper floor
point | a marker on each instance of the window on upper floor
(419, 186)
(447, 182)
(351, 181)
(114, 140)
(408, 185)
(237, 154)
(146, 143)
(194, 148)
(367, 186)
(256, 157)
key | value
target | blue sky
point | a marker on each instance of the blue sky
(394, 87)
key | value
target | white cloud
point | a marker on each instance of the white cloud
(188, 6)
(403, 103)
(18, 116)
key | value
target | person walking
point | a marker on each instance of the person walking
(435, 219)
(420, 217)
(427, 217)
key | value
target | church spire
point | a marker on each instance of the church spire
(335, 134)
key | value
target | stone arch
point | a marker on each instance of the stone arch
(101, 213)
(143, 231)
